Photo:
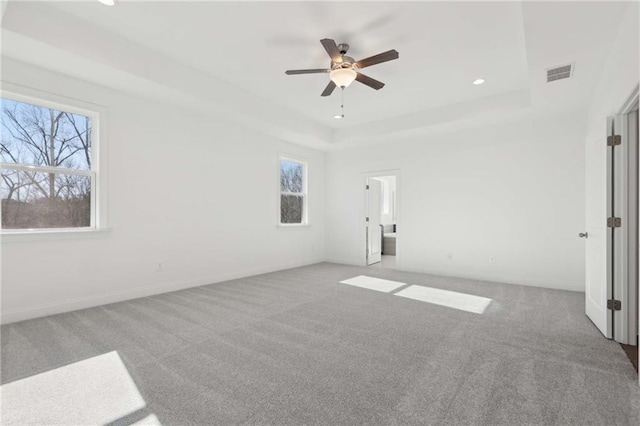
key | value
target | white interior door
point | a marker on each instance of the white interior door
(598, 203)
(611, 270)
(374, 213)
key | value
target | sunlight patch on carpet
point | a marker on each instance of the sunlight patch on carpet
(95, 391)
(150, 420)
(371, 283)
(450, 299)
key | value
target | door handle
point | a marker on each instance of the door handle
(583, 235)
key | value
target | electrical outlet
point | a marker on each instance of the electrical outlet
(159, 267)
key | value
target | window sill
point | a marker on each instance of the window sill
(51, 235)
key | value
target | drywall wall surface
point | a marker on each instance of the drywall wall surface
(190, 201)
(502, 202)
(620, 74)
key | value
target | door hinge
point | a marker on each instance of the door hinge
(614, 222)
(614, 140)
(367, 187)
(614, 305)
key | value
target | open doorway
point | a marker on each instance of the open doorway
(381, 220)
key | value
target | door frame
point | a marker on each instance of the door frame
(373, 227)
(633, 269)
(620, 266)
(364, 176)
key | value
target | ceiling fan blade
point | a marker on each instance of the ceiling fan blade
(379, 58)
(329, 89)
(332, 49)
(314, 71)
(374, 84)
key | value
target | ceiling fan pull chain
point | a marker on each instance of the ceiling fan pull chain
(342, 102)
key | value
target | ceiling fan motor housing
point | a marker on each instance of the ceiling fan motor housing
(347, 62)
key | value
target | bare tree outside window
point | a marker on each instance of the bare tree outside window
(47, 174)
(292, 192)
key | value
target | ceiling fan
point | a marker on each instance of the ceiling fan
(344, 69)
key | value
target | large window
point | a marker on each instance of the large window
(293, 192)
(48, 166)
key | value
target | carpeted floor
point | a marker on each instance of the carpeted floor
(297, 347)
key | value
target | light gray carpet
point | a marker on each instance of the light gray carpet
(296, 347)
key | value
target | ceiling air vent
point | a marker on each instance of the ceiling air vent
(559, 73)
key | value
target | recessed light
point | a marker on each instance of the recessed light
(338, 116)
(478, 81)
(108, 2)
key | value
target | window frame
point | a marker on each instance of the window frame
(98, 181)
(304, 193)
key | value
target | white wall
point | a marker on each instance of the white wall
(387, 215)
(194, 193)
(620, 74)
(510, 191)
(387, 194)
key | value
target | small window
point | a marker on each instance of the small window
(293, 192)
(47, 166)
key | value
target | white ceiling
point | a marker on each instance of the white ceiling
(243, 49)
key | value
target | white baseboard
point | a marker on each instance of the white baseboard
(354, 261)
(36, 311)
(491, 277)
(502, 279)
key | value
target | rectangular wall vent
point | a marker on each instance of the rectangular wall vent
(559, 73)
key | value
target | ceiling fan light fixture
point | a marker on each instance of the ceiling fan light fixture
(108, 2)
(343, 77)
